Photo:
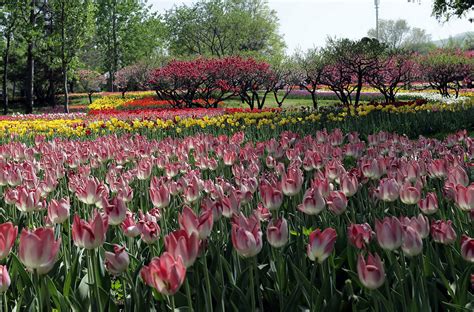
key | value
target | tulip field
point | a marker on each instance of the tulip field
(235, 211)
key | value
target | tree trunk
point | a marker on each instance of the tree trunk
(66, 91)
(90, 97)
(314, 99)
(30, 65)
(5, 75)
(64, 60)
(30, 79)
(358, 90)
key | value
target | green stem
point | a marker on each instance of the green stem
(257, 279)
(208, 284)
(96, 278)
(188, 294)
(124, 287)
(173, 307)
(37, 286)
(252, 288)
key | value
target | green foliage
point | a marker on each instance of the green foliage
(224, 27)
(445, 9)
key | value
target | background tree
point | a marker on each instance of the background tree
(448, 8)
(224, 27)
(398, 34)
(90, 81)
(133, 77)
(355, 58)
(394, 72)
(446, 70)
(310, 67)
(9, 15)
(72, 21)
(126, 33)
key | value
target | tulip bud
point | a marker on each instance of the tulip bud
(359, 234)
(313, 202)
(8, 234)
(38, 249)
(429, 205)
(4, 279)
(321, 244)
(166, 273)
(246, 235)
(58, 211)
(371, 272)
(412, 244)
(443, 232)
(277, 232)
(389, 233)
(337, 202)
(117, 262)
(467, 248)
(409, 195)
(180, 244)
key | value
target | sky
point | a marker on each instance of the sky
(307, 23)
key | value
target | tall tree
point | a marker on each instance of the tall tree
(9, 19)
(72, 21)
(126, 33)
(398, 34)
(224, 27)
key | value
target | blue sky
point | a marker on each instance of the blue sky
(307, 23)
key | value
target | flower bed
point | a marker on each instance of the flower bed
(323, 219)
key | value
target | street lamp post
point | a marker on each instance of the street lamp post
(376, 2)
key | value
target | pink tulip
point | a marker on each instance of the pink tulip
(359, 234)
(467, 248)
(116, 211)
(8, 234)
(389, 233)
(337, 202)
(58, 211)
(409, 194)
(349, 185)
(179, 243)
(412, 244)
(458, 176)
(464, 197)
(277, 232)
(372, 169)
(4, 279)
(262, 213)
(429, 205)
(313, 202)
(438, 168)
(192, 191)
(92, 191)
(443, 232)
(166, 273)
(38, 249)
(91, 234)
(321, 244)
(159, 193)
(189, 222)
(129, 227)
(117, 262)
(272, 198)
(246, 235)
(144, 169)
(388, 190)
(419, 223)
(230, 205)
(292, 181)
(150, 231)
(371, 272)
(28, 200)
